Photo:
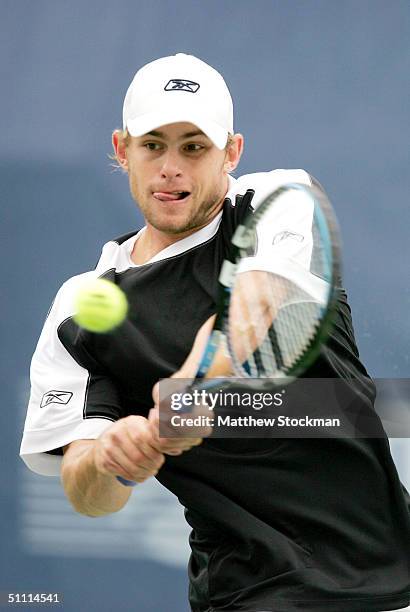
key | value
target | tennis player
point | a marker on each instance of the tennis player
(319, 525)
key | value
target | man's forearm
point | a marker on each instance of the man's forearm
(90, 492)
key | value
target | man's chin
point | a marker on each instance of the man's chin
(175, 227)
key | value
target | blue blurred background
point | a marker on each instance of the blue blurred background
(318, 85)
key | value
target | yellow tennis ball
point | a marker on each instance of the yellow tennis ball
(100, 306)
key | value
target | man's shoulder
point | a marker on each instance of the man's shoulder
(115, 254)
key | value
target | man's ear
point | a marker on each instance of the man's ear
(234, 152)
(120, 149)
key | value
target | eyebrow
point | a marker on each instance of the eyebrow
(192, 134)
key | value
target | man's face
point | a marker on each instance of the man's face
(178, 177)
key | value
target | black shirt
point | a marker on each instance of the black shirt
(277, 524)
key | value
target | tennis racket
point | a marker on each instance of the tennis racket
(277, 290)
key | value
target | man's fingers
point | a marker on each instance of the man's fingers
(140, 445)
(127, 469)
(168, 445)
(126, 450)
(171, 445)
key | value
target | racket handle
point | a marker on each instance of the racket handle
(125, 482)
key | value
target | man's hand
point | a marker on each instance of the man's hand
(182, 439)
(175, 440)
(132, 448)
(127, 449)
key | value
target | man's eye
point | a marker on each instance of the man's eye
(193, 146)
(152, 146)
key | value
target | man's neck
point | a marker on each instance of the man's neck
(151, 242)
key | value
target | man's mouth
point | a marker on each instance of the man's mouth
(171, 196)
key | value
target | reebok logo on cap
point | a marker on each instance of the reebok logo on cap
(182, 85)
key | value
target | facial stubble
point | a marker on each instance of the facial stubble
(194, 219)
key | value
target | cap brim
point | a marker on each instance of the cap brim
(151, 121)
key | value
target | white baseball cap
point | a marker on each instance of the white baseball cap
(175, 89)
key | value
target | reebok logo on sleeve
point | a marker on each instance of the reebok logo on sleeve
(286, 234)
(55, 397)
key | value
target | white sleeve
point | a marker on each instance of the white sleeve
(284, 237)
(56, 412)
(263, 183)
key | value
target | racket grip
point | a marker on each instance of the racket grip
(125, 482)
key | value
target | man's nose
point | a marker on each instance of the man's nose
(171, 165)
